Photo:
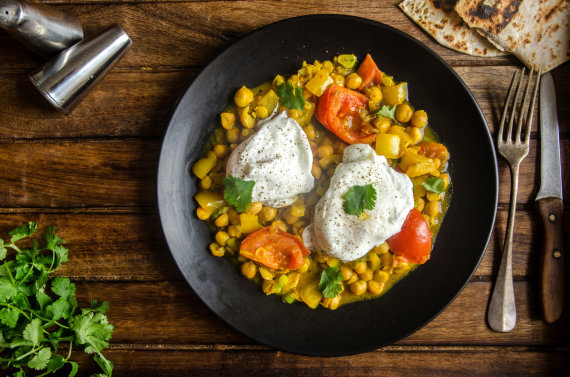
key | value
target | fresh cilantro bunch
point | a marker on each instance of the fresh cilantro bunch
(40, 323)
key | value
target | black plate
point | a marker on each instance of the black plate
(413, 302)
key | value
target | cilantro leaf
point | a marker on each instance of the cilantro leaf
(61, 308)
(63, 287)
(7, 290)
(23, 231)
(43, 299)
(387, 111)
(33, 332)
(93, 330)
(74, 368)
(52, 240)
(359, 198)
(291, 98)
(331, 282)
(55, 363)
(9, 317)
(41, 359)
(434, 184)
(99, 307)
(237, 192)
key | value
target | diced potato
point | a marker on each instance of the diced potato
(269, 100)
(203, 166)
(405, 139)
(388, 145)
(210, 201)
(248, 223)
(319, 83)
(415, 164)
(311, 295)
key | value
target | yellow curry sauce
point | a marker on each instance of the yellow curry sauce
(399, 129)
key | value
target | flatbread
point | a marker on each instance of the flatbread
(535, 31)
(439, 20)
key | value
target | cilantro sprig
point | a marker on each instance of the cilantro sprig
(387, 111)
(434, 184)
(238, 192)
(291, 98)
(359, 198)
(331, 282)
(41, 323)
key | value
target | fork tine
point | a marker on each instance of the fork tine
(500, 136)
(530, 112)
(514, 107)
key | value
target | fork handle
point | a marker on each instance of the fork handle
(550, 212)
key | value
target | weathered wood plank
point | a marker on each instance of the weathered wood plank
(389, 361)
(146, 102)
(130, 246)
(169, 313)
(72, 174)
(193, 33)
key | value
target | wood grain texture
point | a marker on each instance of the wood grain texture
(389, 361)
(176, 316)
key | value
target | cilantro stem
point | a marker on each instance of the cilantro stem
(11, 245)
(9, 273)
(69, 353)
(50, 322)
(18, 309)
(25, 277)
(33, 350)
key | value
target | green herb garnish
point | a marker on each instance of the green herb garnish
(387, 111)
(434, 184)
(331, 282)
(291, 98)
(359, 198)
(36, 320)
(237, 192)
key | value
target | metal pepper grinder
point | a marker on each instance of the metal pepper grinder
(43, 29)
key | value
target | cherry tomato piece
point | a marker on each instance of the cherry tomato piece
(413, 242)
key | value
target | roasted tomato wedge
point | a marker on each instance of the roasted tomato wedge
(274, 248)
(369, 72)
(338, 110)
(413, 242)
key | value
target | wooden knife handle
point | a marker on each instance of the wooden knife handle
(550, 211)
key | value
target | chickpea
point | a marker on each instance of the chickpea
(381, 276)
(222, 220)
(374, 94)
(243, 97)
(360, 267)
(206, 182)
(316, 171)
(432, 196)
(366, 275)
(297, 210)
(331, 303)
(419, 203)
(249, 269)
(278, 80)
(328, 66)
(305, 266)
(261, 112)
(254, 208)
(310, 132)
(280, 225)
(353, 81)
(382, 124)
(267, 214)
(232, 135)
(382, 249)
(233, 216)
(233, 231)
(220, 150)
(246, 120)
(432, 209)
(346, 272)
(419, 119)
(404, 113)
(270, 286)
(216, 249)
(202, 214)
(222, 238)
(358, 287)
(373, 261)
(375, 288)
(266, 273)
(338, 79)
(325, 150)
(445, 178)
(228, 120)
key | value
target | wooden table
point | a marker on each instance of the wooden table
(92, 175)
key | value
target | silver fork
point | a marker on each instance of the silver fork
(502, 312)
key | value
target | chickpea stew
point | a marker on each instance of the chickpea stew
(339, 105)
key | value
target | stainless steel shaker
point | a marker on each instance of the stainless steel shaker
(43, 29)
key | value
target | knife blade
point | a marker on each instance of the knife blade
(550, 206)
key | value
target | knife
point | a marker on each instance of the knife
(550, 207)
